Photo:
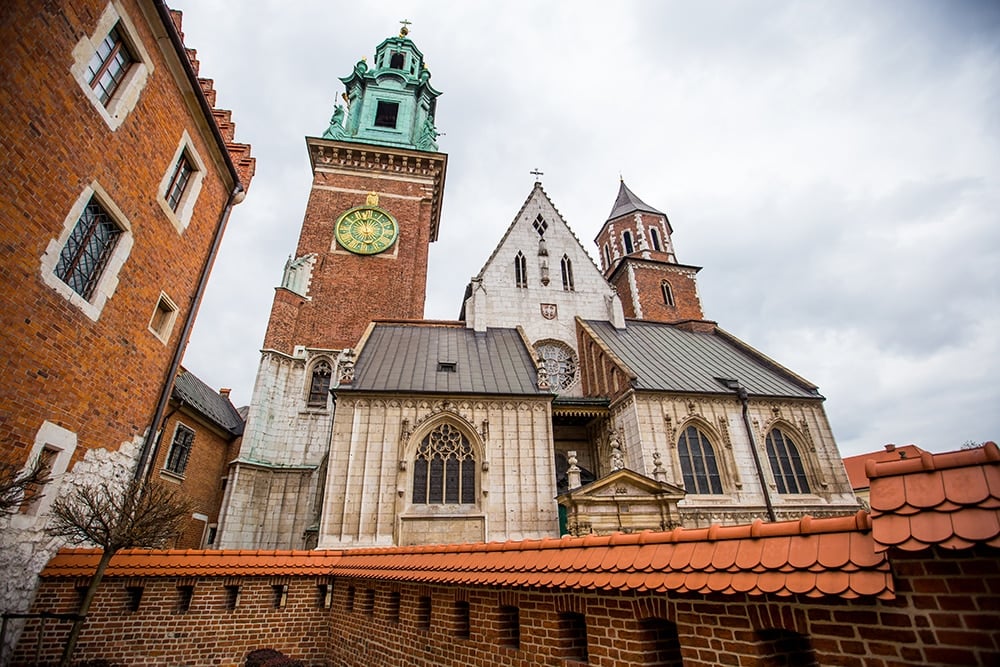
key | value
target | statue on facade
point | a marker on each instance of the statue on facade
(336, 129)
(427, 141)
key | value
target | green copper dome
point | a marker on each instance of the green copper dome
(391, 103)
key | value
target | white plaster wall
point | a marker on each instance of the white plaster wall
(367, 492)
(498, 302)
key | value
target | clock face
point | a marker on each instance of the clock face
(366, 230)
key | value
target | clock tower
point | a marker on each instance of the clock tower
(373, 209)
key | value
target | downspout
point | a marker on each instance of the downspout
(152, 440)
(741, 392)
(151, 444)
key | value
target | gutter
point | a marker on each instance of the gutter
(741, 392)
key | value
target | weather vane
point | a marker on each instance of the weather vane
(404, 31)
(536, 173)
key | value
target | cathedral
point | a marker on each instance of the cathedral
(570, 397)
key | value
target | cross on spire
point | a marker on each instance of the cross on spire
(536, 173)
(404, 30)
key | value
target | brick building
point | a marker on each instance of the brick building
(119, 176)
(369, 427)
(915, 581)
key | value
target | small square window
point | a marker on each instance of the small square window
(133, 597)
(447, 366)
(164, 315)
(386, 113)
(232, 596)
(184, 596)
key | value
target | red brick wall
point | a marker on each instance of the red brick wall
(649, 277)
(97, 379)
(201, 482)
(946, 612)
(347, 290)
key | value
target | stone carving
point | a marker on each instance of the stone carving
(724, 431)
(671, 431)
(345, 365)
(659, 472)
(549, 310)
(617, 459)
(543, 375)
(404, 430)
(336, 129)
(573, 472)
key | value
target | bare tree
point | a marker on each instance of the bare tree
(17, 485)
(122, 515)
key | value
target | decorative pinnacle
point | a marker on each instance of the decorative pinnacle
(404, 31)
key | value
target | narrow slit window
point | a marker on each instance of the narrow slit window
(668, 293)
(627, 242)
(607, 256)
(520, 270)
(654, 236)
(567, 273)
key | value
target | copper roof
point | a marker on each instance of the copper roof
(951, 500)
(810, 557)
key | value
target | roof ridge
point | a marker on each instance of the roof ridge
(927, 461)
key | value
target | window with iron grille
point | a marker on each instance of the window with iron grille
(109, 64)
(179, 181)
(88, 249)
(444, 471)
(520, 270)
(698, 465)
(180, 450)
(786, 464)
(319, 388)
(567, 273)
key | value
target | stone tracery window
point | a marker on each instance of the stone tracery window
(698, 464)
(560, 362)
(567, 273)
(786, 464)
(319, 386)
(520, 270)
(444, 469)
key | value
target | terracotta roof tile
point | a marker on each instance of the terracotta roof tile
(951, 500)
(855, 465)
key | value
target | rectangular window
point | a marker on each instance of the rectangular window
(573, 636)
(423, 612)
(392, 611)
(324, 595)
(280, 595)
(367, 606)
(509, 627)
(109, 65)
(87, 250)
(385, 114)
(133, 597)
(180, 450)
(232, 596)
(461, 626)
(179, 181)
(162, 321)
(184, 596)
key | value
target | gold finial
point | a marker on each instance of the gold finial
(404, 31)
(372, 198)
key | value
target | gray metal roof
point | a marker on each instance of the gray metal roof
(666, 358)
(208, 402)
(406, 358)
(627, 202)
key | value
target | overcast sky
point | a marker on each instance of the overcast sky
(834, 167)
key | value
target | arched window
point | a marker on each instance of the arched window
(654, 236)
(607, 257)
(559, 361)
(567, 273)
(627, 240)
(520, 270)
(319, 387)
(668, 293)
(789, 474)
(444, 469)
(698, 464)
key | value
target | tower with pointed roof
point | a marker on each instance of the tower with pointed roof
(638, 259)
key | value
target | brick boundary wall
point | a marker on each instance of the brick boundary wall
(945, 613)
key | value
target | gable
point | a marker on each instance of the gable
(624, 484)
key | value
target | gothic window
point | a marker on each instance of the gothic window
(444, 469)
(540, 225)
(668, 293)
(180, 450)
(627, 241)
(108, 66)
(607, 256)
(698, 464)
(88, 249)
(520, 270)
(789, 474)
(560, 362)
(385, 114)
(319, 387)
(654, 236)
(567, 273)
